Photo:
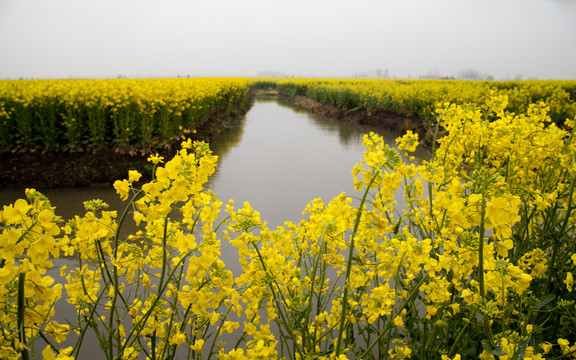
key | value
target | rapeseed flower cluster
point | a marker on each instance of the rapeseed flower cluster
(421, 97)
(118, 113)
(467, 255)
(29, 241)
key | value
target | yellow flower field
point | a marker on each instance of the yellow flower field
(478, 263)
(77, 114)
(421, 97)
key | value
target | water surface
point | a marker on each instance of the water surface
(280, 159)
(276, 158)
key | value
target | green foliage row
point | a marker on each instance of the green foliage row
(476, 262)
(420, 97)
(125, 113)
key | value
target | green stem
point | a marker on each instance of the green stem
(164, 254)
(172, 317)
(115, 279)
(20, 316)
(222, 320)
(349, 264)
(556, 239)
(460, 334)
(381, 335)
(315, 266)
(80, 340)
(135, 331)
(153, 345)
(564, 356)
(487, 326)
(279, 297)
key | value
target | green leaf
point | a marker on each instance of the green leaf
(519, 354)
(545, 300)
(495, 349)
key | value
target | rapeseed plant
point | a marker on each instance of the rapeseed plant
(115, 113)
(477, 262)
(420, 98)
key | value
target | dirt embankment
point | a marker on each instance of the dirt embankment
(43, 169)
(383, 119)
(49, 168)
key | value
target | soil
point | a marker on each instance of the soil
(382, 119)
(48, 169)
(100, 167)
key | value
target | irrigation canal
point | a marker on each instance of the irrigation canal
(276, 158)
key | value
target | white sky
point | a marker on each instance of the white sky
(325, 38)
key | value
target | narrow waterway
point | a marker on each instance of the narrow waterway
(276, 158)
(279, 160)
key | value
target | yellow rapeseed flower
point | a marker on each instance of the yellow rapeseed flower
(122, 188)
(569, 281)
(155, 159)
(133, 175)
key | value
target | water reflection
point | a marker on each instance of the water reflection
(284, 158)
(68, 201)
(278, 158)
(347, 132)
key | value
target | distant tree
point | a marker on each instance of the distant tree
(470, 74)
(373, 74)
(382, 74)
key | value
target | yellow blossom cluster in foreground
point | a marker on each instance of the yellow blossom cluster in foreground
(477, 262)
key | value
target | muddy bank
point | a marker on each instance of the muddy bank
(49, 169)
(387, 120)
(102, 167)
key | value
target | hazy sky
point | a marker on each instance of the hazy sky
(326, 38)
